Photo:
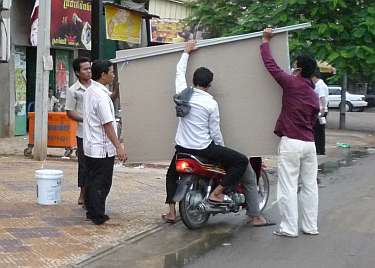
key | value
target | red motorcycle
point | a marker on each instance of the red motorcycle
(198, 177)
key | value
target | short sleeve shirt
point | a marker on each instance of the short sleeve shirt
(98, 111)
(74, 102)
(321, 89)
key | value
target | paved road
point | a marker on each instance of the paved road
(347, 226)
(361, 121)
(347, 231)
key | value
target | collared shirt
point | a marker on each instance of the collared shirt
(98, 111)
(321, 89)
(300, 104)
(202, 125)
(74, 102)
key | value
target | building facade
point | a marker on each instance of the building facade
(17, 76)
(169, 9)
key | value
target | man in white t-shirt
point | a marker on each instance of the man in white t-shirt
(321, 89)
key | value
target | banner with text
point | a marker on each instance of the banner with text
(71, 24)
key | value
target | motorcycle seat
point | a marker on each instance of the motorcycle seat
(201, 159)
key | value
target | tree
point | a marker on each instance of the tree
(342, 32)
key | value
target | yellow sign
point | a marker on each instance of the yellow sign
(123, 25)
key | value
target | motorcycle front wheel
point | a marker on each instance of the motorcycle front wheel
(192, 212)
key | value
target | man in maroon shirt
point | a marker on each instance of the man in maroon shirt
(297, 155)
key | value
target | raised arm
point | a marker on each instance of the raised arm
(278, 74)
(182, 65)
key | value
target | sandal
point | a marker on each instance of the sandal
(267, 223)
(168, 220)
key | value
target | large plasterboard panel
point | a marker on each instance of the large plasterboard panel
(248, 97)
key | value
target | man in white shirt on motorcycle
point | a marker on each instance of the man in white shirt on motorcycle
(199, 133)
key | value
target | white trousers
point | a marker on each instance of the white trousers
(297, 161)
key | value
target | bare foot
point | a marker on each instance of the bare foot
(217, 198)
(260, 221)
(81, 200)
(257, 220)
(169, 217)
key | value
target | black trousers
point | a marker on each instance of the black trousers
(98, 185)
(320, 137)
(233, 162)
(82, 171)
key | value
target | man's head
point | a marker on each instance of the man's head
(102, 71)
(50, 92)
(82, 68)
(202, 78)
(305, 65)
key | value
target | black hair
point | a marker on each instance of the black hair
(307, 64)
(98, 67)
(77, 63)
(317, 73)
(202, 77)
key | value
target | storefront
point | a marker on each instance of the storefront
(70, 33)
(70, 37)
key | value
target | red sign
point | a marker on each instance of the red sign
(71, 23)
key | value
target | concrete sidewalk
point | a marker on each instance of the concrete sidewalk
(32, 235)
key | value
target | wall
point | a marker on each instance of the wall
(4, 99)
(20, 20)
(20, 28)
(167, 9)
(248, 97)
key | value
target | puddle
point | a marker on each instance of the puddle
(347, 158)
(183, 252)
(195, 250)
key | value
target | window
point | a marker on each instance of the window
(334, 91)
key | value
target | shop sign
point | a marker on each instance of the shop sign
(71, 24)
(169, 31)
(123, 25)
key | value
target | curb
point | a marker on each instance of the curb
(90, 258)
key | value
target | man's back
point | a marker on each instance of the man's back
(193, 130)
(99, 110)
(201, 127)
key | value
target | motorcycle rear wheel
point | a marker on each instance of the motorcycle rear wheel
(263, 189)
(191, 215)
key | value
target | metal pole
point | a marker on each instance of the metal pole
(96, 19)
(43, 66)
(343, 101)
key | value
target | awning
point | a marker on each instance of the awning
(326, 68)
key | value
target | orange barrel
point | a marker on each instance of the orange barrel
(61, 130)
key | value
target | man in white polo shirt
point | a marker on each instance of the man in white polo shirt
(100, 140)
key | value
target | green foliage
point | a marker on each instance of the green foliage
(342, 32)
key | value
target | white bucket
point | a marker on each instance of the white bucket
(48, 189)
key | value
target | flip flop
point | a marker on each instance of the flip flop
(267, 223)
(167, 220)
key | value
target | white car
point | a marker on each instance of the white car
(353, 101)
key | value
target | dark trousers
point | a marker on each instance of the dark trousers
(320, 137)
(98, 185)
(82, 171)
(233, 162)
